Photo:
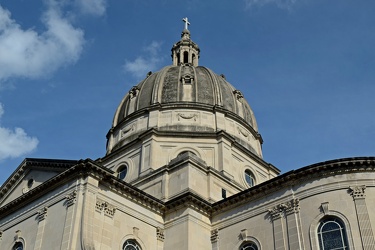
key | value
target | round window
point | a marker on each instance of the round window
(122, 171)
(249, 178)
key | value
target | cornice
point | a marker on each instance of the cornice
(36, 163)
(189, 199)
(318, 170)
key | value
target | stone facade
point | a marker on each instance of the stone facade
(183, 173)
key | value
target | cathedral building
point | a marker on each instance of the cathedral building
(184, 170)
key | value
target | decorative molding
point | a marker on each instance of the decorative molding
(243, 234)
(42, 214)
(243, 132)
(324, 207)
(292, 206)
(358, 192)
(160, 234)
(71, 198)
(128, 129)
(108, 209)
(275, 212)
(17, 237)
(289, 207)
(185, 116)
(135, 231)
(214, 235)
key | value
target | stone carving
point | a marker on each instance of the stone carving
(275, 212)
(1, 234)
(214, 235)
(128, 129)
(160, 234)
(185, 116)
(238, 94)
(324, 207)
(71, 198)
(358, 192)
(133, 92)
(135, 231)
(289, 207)
(42, 214)
(108, 209)
(243, 234)
(292, 206)
(17, 236)
(243, 132)
(187, 79)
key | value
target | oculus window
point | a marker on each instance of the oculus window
(249, 178)
(122, 172)
(332, 234)
(131, 245)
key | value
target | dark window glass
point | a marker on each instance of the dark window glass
(131, 245)
(121, 174)
(18, 246)
(249, 246)
(332, 234)
(249, 177)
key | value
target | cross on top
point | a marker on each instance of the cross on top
(185, 20)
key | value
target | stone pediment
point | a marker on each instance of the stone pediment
(30, 174)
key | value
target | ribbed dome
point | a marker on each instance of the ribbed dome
(187, 85)
(187, 99)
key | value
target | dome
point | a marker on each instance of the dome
(188, 86)
(184, 97)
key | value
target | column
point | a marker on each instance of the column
(367, 236)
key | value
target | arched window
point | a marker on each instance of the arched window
(249, 246)
(186, 57)
(131, 245)
(122, 171)
(18, 246)
(249, 178)
(332, 234)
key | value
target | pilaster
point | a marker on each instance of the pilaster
(41, 217)
(367, 235)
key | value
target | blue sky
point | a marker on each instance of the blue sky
(307, 68)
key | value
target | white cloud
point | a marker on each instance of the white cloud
(26, 53)
(92, 7)
(15, 143)
(283, 4)
(143, 64)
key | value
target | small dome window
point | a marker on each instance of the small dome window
(249, 178)
(122, 172)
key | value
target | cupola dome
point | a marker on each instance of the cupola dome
(194, 97)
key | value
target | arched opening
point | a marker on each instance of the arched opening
(249, 246)
(131, 245)
(186, 57)
(178, 59)
(332, 234)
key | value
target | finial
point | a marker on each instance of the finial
(185, 20)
